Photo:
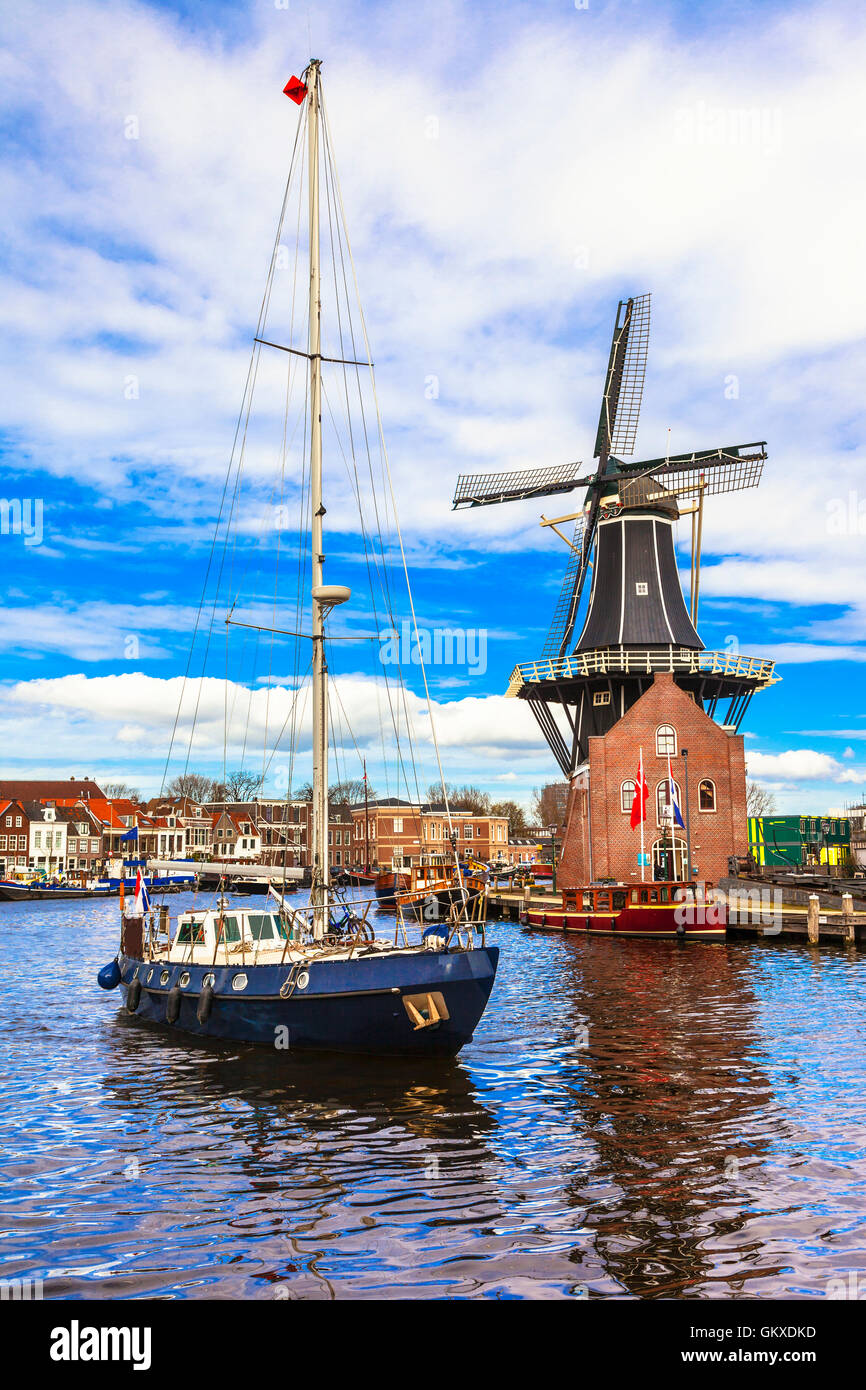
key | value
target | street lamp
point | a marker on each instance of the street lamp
(553, 829)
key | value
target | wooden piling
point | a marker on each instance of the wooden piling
(812, 921)
(848, 916)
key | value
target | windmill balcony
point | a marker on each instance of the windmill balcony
(634, 661)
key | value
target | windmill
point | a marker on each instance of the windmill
(636, 621)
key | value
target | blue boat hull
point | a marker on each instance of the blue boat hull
(347, 1006)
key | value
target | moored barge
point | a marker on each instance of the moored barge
(684, 910)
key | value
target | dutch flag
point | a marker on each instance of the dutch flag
(676, 813)
(142, 902)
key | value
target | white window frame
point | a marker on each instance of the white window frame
(666, 733)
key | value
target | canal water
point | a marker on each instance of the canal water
(644, 1120)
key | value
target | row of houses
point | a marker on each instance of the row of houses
(74, 827)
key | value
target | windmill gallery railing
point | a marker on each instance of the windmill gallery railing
(619, 661)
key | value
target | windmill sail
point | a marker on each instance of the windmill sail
(626, 370)
(562, 615)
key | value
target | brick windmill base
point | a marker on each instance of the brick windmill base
(599, 840)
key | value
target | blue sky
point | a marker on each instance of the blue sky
(509, 172)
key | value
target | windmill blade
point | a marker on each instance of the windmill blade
(572, 604)
(485, 489)
(707, 472)
(563, 611)
(623, 386)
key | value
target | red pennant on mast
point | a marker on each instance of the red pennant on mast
(641, 793)
(295, 90)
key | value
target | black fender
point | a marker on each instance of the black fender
(172, 1005)
(133, 995)
(205, 1004)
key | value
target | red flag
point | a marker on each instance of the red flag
(295, 89)
(641, 792)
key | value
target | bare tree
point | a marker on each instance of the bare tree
(242, 786)
(303, 793)
(121, 791)
(196, 785)
(350, 792)
(759, 802)
(517, 822)
(467, 798)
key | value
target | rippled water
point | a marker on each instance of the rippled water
(632, 1119)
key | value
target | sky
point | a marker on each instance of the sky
(508, 173)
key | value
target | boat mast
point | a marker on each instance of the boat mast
(366, 824)
(320, 869)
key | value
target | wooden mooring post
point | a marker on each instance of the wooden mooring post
(812, 919)
(848, 916)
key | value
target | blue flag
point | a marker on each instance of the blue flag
(130, 834)
(675, 801)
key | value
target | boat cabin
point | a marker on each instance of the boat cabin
(614, 897)
(235, 932)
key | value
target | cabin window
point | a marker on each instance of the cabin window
(666, 741)
(654, 895)
(644, 895)
(183, 933)
(587, 902)
(707, 795)
(231, 931)
(618, 901)
(602, 901)
(664, 894)
(634, 895)
(626, 796)
(601, 697)
(261, 926)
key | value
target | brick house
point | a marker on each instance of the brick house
(401, 833)
(599, 840)
(235, 835)
(14, 836)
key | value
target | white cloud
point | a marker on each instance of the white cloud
(800, 765)
(469, 247)
(82, 718)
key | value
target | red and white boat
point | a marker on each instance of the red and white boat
(681, 910)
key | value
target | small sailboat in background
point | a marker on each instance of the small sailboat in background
(313, 975)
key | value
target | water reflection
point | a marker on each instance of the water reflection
(633, 1119)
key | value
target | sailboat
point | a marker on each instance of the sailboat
(313, 975)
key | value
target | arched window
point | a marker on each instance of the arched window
(707, 795)
(666, 741)
(663, 799)
(626, 796)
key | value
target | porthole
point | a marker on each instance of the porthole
(208, 980)
(303, 979)
(150, 975)
(184, 979)
(164, 977)
(239, 982)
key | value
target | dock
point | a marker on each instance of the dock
(838, 920)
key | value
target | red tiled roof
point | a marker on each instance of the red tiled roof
(39, 790)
